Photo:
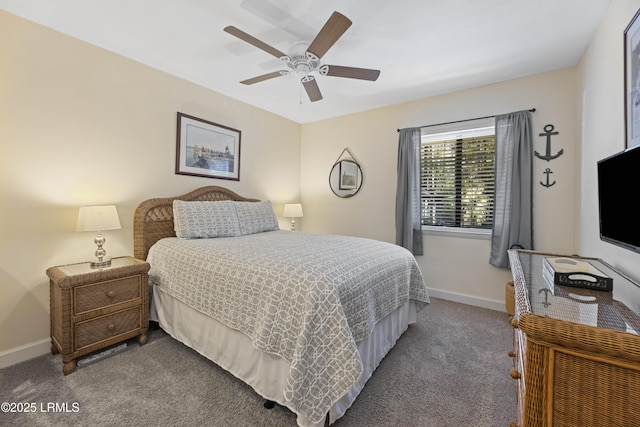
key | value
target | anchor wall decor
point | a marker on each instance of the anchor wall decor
(548, 132)
(547, 171)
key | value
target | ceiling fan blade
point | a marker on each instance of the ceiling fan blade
(254, 41)
(349, 72)
(279, 18)
(261, 78)
(333, 29)
(311, 86)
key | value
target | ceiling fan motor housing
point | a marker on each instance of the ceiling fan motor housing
(300, 60)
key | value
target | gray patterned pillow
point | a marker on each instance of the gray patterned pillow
(204, 219)
(256, 217)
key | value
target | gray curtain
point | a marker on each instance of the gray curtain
(408, 224)
(513, 215)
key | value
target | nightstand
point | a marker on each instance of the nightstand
(96, 308)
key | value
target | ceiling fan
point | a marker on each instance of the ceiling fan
(304, 58)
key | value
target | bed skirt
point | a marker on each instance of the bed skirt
(267, 373)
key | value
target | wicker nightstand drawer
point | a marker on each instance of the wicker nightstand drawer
(100, 295)
(96, 330)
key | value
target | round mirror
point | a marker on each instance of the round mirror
(345, 178)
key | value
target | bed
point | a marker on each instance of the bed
(303, 318)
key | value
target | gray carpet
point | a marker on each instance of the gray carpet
(448, 369)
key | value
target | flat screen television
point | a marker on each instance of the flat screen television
(618, 197)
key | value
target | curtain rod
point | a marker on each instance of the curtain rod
(532, 110)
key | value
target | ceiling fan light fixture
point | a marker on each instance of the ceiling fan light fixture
(303, 68)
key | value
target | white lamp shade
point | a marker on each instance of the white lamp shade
(293, 210)
(98, 218)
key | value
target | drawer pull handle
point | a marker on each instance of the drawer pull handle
(514, 374)
(514, 323)
(111, 327)
(511, 353)
(111, 294)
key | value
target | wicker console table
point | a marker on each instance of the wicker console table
(576, 351)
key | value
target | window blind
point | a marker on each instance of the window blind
(457, 182)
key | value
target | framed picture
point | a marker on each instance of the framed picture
(632, 82)
(207, 149)
(348, 175)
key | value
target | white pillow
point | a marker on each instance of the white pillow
(256, 217)
(205, 219)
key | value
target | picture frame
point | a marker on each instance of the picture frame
(207, 149)
(348, 175)
(632, 82)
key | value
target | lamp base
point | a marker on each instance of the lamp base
(101, 263)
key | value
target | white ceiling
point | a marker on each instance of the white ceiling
(422, 47)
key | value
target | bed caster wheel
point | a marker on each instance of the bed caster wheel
(269, 404)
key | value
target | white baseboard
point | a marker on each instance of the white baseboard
(468, 299)
(24, 352)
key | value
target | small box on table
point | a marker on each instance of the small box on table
(574, 272)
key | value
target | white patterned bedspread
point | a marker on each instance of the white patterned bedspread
(305, 297)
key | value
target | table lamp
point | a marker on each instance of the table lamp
(293, 211)
(98, 218)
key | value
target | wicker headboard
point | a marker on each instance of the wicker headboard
(153, 219)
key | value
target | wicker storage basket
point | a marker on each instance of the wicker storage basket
(510, 299)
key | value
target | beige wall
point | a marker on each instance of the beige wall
(602, 130)
(79, 126)
(454, 267)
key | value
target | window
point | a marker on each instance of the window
(457, 178)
